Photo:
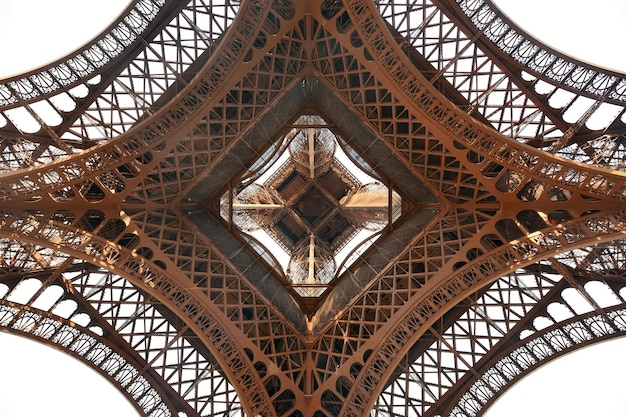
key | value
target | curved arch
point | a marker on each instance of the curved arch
(93, 350)
(444, 363)
(534, 57)
(181, 299)
(171, 355)
(77, 67)
(495, 378)
(148, 172)
(151, 133)
(440, 297)
(457, 125)
(452, 123)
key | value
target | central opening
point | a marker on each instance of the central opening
(313, 203)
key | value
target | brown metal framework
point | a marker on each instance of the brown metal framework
(508, 251)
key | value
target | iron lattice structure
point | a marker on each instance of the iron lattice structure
(508, 251)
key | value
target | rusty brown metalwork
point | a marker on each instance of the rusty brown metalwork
(503, 218)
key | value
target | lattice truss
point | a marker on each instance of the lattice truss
(507, 252)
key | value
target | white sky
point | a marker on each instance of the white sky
(35, 32)
(31, 32)
(36, 380)
(591, 30)
(588, 382)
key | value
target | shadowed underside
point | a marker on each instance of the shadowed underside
(502, 207)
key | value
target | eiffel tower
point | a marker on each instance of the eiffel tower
(313, 208)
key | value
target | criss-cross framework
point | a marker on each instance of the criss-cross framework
(503, 248)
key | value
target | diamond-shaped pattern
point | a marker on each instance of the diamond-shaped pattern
(311, 202)
(206, 253)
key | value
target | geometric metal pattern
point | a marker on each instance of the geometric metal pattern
(89, 348)
(531, 353)
(507, 159)
(312, 205)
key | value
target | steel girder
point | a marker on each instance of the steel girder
(506, 206)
